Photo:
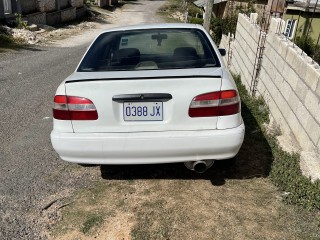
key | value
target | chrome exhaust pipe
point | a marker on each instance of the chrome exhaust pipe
(199, 166)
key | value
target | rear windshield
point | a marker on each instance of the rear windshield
(149, 50)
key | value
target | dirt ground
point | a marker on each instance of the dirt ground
(232, 200)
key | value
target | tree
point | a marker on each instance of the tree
(208, 15)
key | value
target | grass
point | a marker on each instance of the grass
(92, 221)
(7, 42)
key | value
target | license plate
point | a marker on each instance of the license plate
(143, 111)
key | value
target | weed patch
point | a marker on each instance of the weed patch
(285, 169)
(8, 42)
(91, 222)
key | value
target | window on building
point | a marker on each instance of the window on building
(290, 28)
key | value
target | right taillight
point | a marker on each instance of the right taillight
(74, 108)
(215, 104)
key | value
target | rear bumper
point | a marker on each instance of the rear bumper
(148, 147)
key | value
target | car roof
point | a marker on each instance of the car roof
(155, 26)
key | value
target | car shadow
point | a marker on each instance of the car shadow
(254, 160)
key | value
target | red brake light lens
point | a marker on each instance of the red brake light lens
(215, 104)
(74, 108)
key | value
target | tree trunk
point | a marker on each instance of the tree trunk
(208, 15)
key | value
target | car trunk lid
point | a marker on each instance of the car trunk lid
(136, 102)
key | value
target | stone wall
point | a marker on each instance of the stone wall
(47, 5)
(51, 12)
(76, 3)
(37, 18)
(289, 80)
(68, 14)
(64, 4)
(30, 6)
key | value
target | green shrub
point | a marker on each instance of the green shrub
(5, 39)
(21, 23)
(308, 45)
(195, 20)
(228, 24)
(194, 11)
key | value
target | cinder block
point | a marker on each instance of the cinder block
(284, 125)
(46, 5)
(301, 90)
(283, 49)
(313, 130)
(278, 117)
(64, 4)
(270, 68)
(242, 20)
(293, 101)
(312, 104)
(37, 18)
(274, 109)
(312, 76)
(273, 40)
(318, 89)
(268, 49)
(297, 62)
(274, 25)
(290, 75)
(81, 12)
(303, 114)
(68, 14)
(285, 89)
(299, 132)
(76, 3)
(241, 30)
(279, 62)
(272, 89)
(53, 18)
(262, 89)
(282, 104)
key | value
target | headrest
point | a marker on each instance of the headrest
(185, 52)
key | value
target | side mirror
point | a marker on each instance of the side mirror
(222, 51)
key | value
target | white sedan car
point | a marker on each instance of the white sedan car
(149, 94)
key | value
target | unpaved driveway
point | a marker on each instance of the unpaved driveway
(132, 13)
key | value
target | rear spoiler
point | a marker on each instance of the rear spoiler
(143, 78)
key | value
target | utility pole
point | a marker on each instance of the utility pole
(208, 15)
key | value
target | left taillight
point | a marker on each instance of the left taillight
(215, 104)
(74, 108)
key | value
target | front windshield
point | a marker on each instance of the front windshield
(149, 50)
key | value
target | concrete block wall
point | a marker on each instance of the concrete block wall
(64, 4)
(289, 81)
(68, 14)
(47, 5)
(76, 3)
(37, 18)
(242, 54)
(53, 11)
(30, 6)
